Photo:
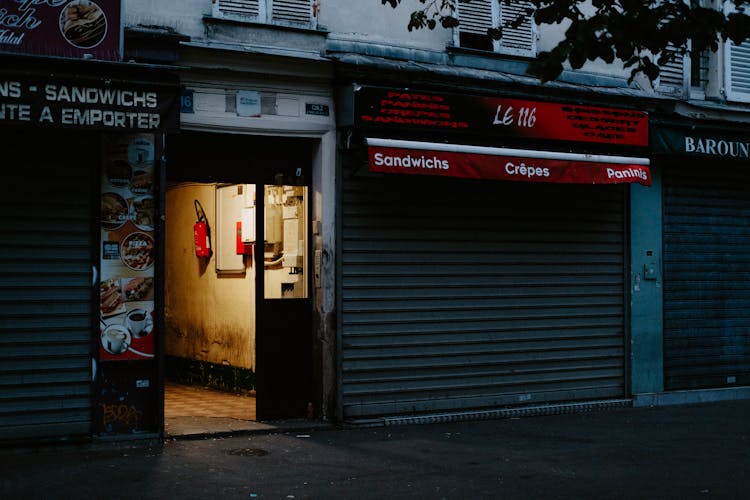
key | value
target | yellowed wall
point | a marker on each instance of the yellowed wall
(209, 317)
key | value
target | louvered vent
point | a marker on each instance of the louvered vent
(738, 73)
(246, 8)
(292, 11)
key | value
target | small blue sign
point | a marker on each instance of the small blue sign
(186, 101)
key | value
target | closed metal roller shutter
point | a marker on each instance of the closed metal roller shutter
(45, 286)
(462, 295)
(706, 275)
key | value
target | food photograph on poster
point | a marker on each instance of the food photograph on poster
(128, 254)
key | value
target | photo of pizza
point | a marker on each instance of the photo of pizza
(83, 24)
(137, 251)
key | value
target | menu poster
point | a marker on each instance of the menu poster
(126, 287)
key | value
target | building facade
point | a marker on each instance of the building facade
(358, 223)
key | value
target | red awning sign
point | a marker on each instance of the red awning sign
(477, 162)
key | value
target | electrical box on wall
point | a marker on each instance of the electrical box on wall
(650, 271)
(230, 199)
(242, 247)
(247, 221)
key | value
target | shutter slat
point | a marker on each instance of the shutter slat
(292, 11)
(247, 8)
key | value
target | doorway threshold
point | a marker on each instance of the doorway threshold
(211, 427)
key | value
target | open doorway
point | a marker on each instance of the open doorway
(237, 296)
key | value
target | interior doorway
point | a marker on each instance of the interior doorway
(238, 316)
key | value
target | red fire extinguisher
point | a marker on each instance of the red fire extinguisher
(201, 233)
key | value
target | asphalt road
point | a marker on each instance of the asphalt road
(670, 452)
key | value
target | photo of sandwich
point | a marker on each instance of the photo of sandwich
(111, 300)
(83, 24)
(139, 289)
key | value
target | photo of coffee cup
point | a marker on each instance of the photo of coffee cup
(139, 322)
(115, 339)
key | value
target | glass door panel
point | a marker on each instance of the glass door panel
(285, 244)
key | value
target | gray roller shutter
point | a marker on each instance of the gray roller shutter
(706, 275)
(45, 286)
(461, 295)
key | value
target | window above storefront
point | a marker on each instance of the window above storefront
(512, 18)
(296, 13)
(723, 74)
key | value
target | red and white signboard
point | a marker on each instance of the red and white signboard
(399, 109)
(476, 162)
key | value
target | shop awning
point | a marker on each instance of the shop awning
(479, 162)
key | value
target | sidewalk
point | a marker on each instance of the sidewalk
(669, 452)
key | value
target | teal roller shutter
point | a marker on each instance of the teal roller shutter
(462, 295)
(706, 275)
(45, 285)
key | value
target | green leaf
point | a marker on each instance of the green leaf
(417, 20)
(650, 69)
(577, 58)
(449, 22)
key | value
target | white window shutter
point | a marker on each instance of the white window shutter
(737, 71)
(521, 40)
(475, 17)
(295, 12)
(237, 8)
(673, 76)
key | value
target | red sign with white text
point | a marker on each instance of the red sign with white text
(494, 116)
(509, 168)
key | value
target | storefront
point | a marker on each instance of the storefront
(82, 136)
(483, 252)
(706, 258)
